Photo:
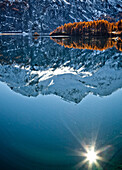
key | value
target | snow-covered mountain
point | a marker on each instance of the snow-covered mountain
(46, 15)
(43, 67)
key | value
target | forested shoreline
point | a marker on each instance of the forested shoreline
(99, 27)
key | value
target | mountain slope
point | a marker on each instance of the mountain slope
(46, 15)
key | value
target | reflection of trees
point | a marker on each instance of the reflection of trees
(45, 53)
(91, 43)
(29, 65)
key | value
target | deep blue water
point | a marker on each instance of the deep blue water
(46, 131)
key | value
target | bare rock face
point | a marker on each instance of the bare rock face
(45, 15)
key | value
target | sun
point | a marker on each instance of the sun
(91, 156)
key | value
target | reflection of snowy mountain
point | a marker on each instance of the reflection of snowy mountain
(45, 15)
(46, 68)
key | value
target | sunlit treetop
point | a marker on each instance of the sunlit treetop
(99, 27)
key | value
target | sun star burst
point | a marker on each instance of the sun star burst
(91, 155)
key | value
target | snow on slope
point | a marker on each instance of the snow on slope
(69, 86)
(46, 68)
(45, 16)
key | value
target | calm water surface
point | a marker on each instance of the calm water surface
(53, 100)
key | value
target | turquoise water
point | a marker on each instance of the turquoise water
(46, 131)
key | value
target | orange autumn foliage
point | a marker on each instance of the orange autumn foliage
(99, 27)
(90, 43)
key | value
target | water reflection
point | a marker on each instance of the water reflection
(90, 43)
(40, 66)
(44, 132)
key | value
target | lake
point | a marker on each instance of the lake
(57, 103)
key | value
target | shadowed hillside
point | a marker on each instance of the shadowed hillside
(46, 15)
